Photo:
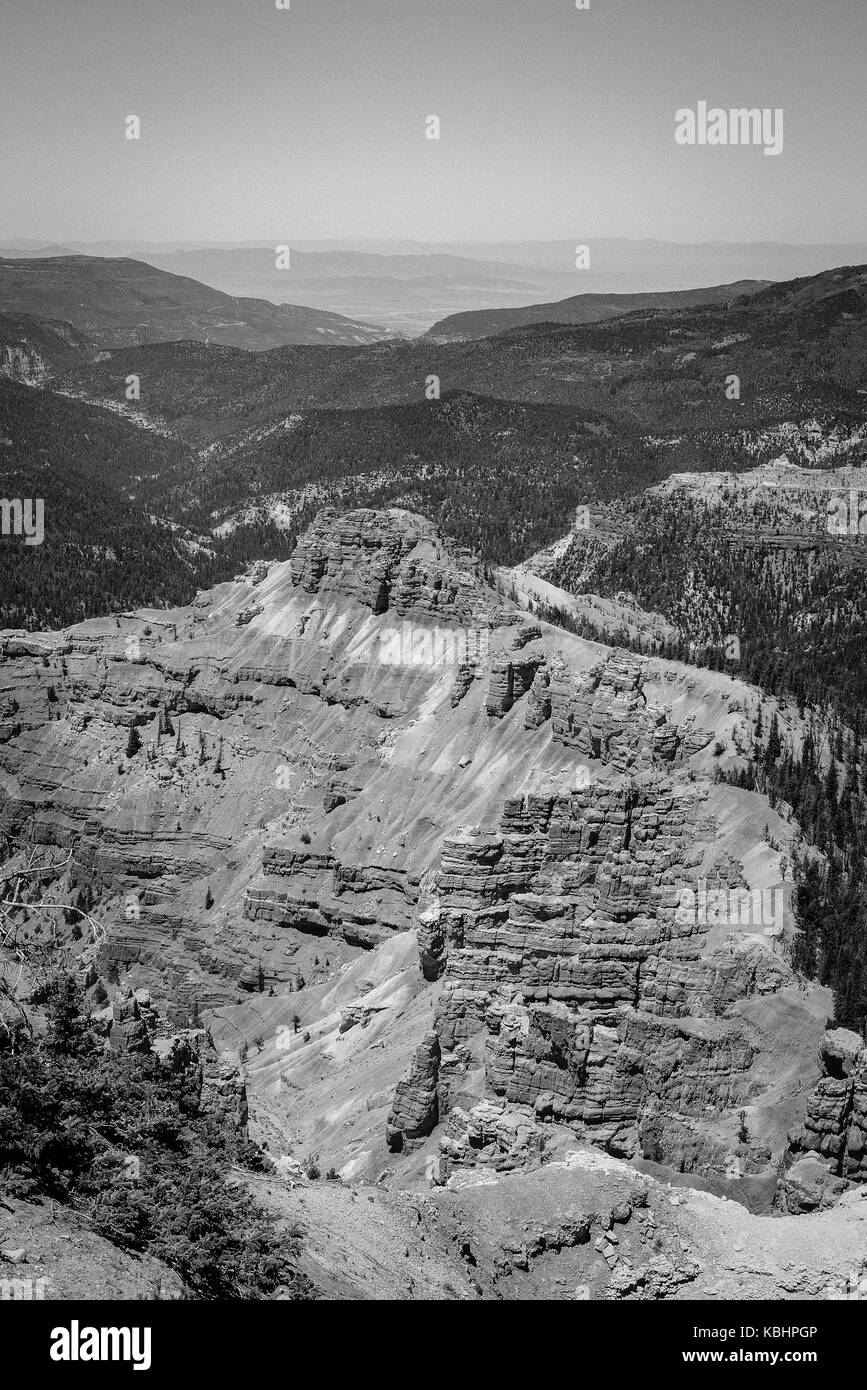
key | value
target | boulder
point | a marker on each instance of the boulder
(809, 1185)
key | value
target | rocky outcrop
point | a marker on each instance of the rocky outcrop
(391, 561)
(538, 710)
(604, 713)
(362, 903)
(491, 1134)
(465, 673)
(574, 981)
(809, 1186)
(23, 364)
(134, 1020)
(251, 978)
(513, 669)
(835, 1123)
(356, 1015)
(414, 1112)
(217, 1079)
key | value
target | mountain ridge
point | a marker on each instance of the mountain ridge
(124, 301)
(584, 308)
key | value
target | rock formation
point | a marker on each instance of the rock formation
(310, 787)
(574, 981)
(414, 1113)
(390, 561)
(834, 1126)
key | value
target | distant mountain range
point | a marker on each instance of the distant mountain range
(605, 366)
(123, 302)
(230, 453)
(407, 287)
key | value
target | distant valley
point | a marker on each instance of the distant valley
(406, 287)
(232, 452)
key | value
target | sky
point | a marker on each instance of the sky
(309, 122)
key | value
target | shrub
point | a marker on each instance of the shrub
(72, 1113)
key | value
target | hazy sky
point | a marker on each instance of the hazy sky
(310, 122)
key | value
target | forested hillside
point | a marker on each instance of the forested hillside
(108, 543)
(497, 440)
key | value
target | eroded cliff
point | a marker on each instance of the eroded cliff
(267, 792)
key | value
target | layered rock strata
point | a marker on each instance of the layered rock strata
(576, 988)
(415, 1112)
(258, 786)
(835, 1123)
(391, 561)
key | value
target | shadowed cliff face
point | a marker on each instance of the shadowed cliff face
(264, 790)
